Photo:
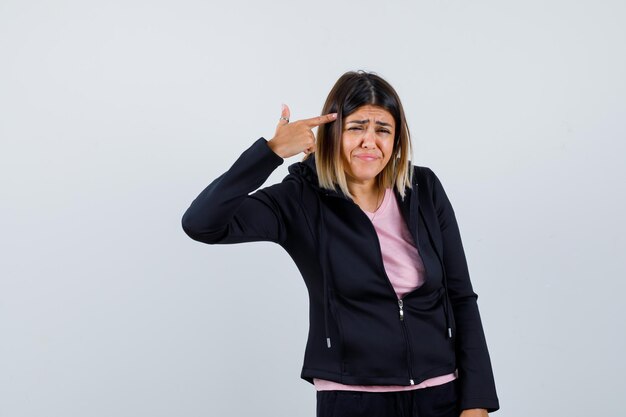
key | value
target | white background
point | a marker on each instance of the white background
(114, 115)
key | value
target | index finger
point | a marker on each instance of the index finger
(320, 120)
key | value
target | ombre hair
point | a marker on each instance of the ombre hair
(351, 91)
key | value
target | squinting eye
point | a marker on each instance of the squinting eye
(354, 128)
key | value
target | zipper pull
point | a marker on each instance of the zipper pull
(411, 382)
(401, 311)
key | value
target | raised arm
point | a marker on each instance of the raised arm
(226, 212)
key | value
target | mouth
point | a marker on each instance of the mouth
(367, 157)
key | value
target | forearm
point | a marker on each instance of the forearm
(475, 372)
(473, 361)
(214, 208)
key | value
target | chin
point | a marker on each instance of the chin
(365, 175)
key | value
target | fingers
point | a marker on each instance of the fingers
(320, 120)
(313, 147)
(312, 122)
(284, 114)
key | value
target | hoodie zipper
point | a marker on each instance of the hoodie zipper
(395, 296)
(393, 291)
(406, 338)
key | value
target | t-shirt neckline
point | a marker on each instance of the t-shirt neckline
(383, 205)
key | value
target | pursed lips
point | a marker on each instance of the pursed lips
(367, 157)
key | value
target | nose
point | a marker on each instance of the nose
(369, 138)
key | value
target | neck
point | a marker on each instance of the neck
(364, 190)
(368, 195)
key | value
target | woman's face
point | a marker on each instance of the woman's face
(367, 142)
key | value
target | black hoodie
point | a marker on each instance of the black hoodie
(359, 331)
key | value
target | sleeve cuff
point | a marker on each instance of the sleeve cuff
(489, 404)
(267, 151)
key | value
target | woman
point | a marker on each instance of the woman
(394, 324)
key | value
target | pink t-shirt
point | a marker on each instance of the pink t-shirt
(406, 272)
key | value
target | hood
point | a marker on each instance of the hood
(307, 171)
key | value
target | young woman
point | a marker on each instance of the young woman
(395, 328)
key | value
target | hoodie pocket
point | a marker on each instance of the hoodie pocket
(432, 348)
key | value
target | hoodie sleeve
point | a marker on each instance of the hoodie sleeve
(225, 211)
(475, 372)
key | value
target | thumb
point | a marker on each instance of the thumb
(284, 114)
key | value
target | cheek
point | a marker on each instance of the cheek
(385, 144)
(389, 144)
(347, 144)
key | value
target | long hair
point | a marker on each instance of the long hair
(351, 91)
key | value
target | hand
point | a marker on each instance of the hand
(291, 138)
(474, 412)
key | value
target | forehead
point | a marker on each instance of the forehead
(370, 113)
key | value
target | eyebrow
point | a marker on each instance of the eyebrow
(362, 122)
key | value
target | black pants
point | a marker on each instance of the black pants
(438, 401)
